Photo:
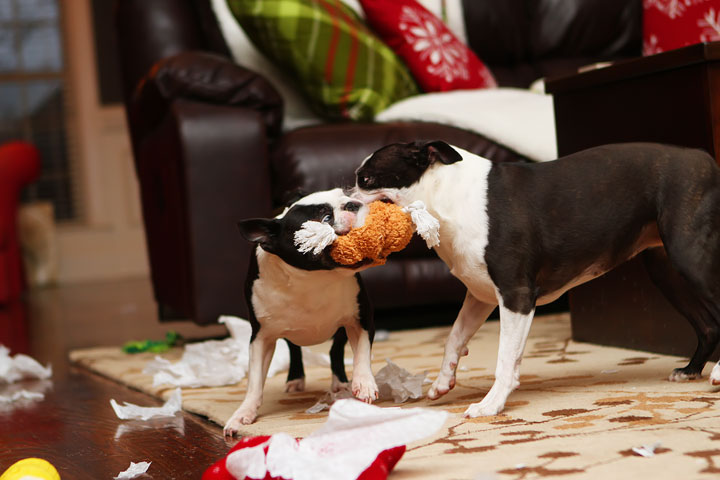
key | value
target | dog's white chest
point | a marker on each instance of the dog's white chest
(457, 196)
(307, 308)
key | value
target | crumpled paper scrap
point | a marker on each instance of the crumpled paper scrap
(135, 470)
(345, 446)
(327, 400)
(215, 363)
(646, 451)
(130, 411)
(397, 383)
(20, 366)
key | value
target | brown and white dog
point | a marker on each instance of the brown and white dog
(518, 235)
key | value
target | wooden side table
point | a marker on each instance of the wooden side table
(672, 97)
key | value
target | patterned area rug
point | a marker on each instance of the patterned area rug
(578, 413)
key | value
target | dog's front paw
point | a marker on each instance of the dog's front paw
(296, 385)
(483, 409)
(364, 388)
(442, 385)
(242, 416)
(683, 375)
(715, 375)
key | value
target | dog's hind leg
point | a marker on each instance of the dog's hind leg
(515, 321)
(470, 318)
(690, 231)
(691, 305)
(296, 373)
(337, 361)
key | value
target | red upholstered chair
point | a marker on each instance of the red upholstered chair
(19, 165)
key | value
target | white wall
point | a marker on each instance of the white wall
(108, 242)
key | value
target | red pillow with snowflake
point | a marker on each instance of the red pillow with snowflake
(436, 58)
(670, 24)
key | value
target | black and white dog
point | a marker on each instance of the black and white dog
(518, 235)
(305, 298)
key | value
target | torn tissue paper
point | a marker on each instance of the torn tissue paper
(328, 400)
(20, 367)
(399, 384)
(215, 363)
(646, 451)
(344, 447)
(129, 411)
(135, 470)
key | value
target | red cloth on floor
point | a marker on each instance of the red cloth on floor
(19, 165)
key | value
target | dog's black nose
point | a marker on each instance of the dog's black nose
(352, 206)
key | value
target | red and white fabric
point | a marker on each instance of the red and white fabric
(438, 60)
(671, 24)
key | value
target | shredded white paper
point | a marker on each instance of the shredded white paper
(215, 363)
(646, 451)
(397, 383)
(130, 411)
(20, 366)
(314, 236)
(427, 226)
(345, 446)
(133, 471)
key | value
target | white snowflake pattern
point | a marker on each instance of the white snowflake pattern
(650, 46)
(710, 24)
(671, 8)
(447, 57)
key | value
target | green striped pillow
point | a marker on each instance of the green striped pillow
(343, 69)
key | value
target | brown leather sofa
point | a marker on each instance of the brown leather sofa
(210, 149)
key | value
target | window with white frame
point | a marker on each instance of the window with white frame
(33, 96)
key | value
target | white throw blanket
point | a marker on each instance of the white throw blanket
(521, 120)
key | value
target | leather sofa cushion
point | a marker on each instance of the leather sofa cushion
(326, 156)
(522, 41)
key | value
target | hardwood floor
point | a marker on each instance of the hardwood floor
(74, 427)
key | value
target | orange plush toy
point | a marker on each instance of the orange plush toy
(387, 229)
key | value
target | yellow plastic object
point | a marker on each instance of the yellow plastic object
(35, 468)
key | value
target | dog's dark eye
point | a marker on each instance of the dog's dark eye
(366, 181)
(327, 219)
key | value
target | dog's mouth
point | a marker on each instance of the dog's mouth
(370, 196)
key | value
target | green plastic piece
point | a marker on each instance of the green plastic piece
(154, 346)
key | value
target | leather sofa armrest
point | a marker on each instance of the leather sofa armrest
(205, 78)
(203, 169)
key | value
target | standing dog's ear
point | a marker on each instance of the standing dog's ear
(439, 151)
(262, 231)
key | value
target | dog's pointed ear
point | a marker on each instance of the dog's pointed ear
(263, 231)
(439, 151)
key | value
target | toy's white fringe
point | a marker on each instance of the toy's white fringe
(314, 236)
(426, 225)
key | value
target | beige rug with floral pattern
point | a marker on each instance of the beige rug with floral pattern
(578, 413)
